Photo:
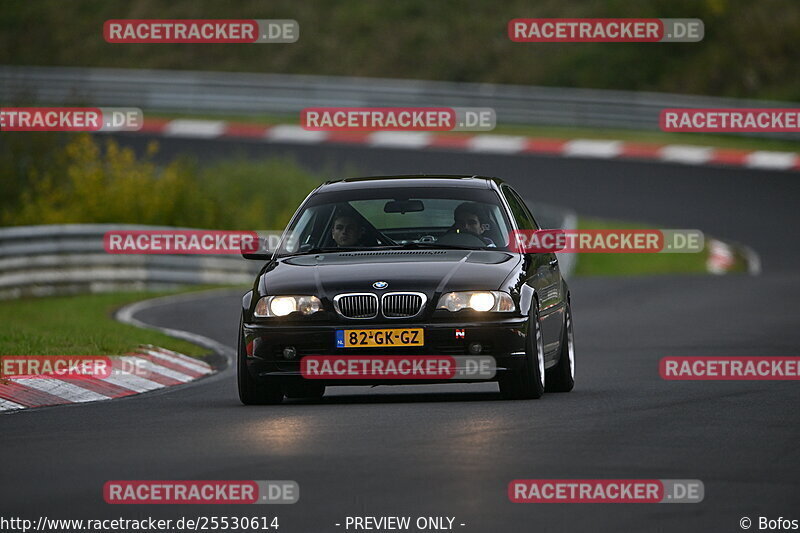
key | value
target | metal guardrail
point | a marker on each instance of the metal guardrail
(70, 258)
(283, 94)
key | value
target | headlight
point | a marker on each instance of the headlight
(284, 305)
(497, 301)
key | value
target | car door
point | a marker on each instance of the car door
(545, 279)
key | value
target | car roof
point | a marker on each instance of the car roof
(418, 180)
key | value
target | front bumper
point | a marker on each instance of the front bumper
(504, 340)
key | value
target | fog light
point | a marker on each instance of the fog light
(289, 352)
(475, 348)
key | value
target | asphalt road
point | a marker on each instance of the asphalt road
(451, 450)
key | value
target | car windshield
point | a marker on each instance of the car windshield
(391, 218)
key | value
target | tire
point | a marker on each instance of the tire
(305, 389)
(527, 383)
(251, 392)
(561, 378)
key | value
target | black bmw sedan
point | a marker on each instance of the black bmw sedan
(405, 279)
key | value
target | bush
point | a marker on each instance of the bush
(86, 182)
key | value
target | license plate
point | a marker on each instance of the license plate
(372, 338)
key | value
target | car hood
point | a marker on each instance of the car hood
(428, 271)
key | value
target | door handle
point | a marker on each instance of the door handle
(553, 263)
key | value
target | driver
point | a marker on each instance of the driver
(347, 231)
(471, 218)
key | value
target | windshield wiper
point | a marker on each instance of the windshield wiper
(407, 246)
(427, 245)
(327, 249)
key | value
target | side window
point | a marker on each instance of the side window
(308, 231)
(525, 208)
(518, 209)
(301, 233)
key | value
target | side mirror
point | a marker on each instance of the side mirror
(258, 256)
(260, 252)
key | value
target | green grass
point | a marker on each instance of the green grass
(731, 141)
(642, 264)
(80, 325)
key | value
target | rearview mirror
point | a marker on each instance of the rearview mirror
(403, 206)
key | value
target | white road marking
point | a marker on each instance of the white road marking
(145, 367)
(399, 139)
(186, 364)
(134, 383)
(772, 160)
(195, 128)
(7, 405)
(506, 144)
(296, 134)
(592, 148)
(63, 389)
(680, 153)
